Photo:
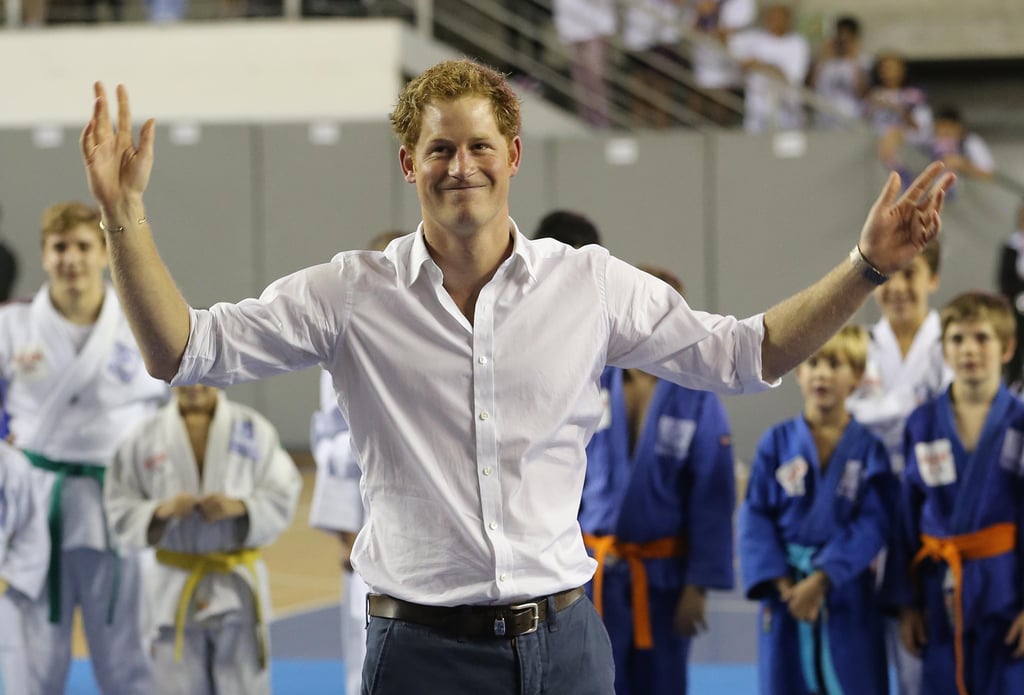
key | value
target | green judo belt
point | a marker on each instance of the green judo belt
(63, 469)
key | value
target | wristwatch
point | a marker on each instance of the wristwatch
(864, 267)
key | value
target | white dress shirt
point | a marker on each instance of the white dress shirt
(471, 436)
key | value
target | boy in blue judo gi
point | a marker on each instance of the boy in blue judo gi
(657, 516)
(958, 545)
(817, 512)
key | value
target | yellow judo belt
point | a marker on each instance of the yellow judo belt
(198, 566)
(55, 519)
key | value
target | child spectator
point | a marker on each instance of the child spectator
(955, 564)
(897, 111)
(206, 482)
(817, 513)
(961, 151)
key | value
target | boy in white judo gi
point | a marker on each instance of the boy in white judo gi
(207, 483)
(905, 369)
(24, 557)
(77, 384)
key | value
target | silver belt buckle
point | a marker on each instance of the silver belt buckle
(534, 619)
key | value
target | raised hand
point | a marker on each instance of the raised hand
(117, 170)
(899, 226)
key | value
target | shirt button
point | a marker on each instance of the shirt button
(493, 525)
(482, 359)
(488, 470)
(484, 415)
(502, 577)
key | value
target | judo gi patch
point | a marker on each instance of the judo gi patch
(674, 436)
(849, 483)
(30, 363)
(124, 363)
(935, 462)
(1011, 458)
(792, 476)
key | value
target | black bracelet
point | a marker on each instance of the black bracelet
(863, 266)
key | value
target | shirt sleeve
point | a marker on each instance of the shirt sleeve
(653, 328)
(293, 325)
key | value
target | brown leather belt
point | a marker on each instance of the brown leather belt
(473, 621)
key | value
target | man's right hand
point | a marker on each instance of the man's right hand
(179, 506)
(117, 170)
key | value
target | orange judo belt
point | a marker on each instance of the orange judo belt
(954, 550)
(634, 554)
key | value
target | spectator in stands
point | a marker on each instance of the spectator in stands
(899, 112)
(1011, 286)
(715, 72)
(961, 151)
(774, 60)
(842, 74)
(585, 28)
(650, 33)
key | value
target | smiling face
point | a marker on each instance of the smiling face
(904, 298)
(462, 166)
(74, 261)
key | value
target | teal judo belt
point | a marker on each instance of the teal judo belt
(55, 517)
(799, 558)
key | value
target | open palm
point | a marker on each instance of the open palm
(899, 226)
(117, 170)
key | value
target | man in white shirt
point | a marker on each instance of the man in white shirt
(466, 360)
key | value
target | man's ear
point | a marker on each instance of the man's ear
(408, 163)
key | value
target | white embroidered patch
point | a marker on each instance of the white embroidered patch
(935, 462)
(606, 412)
(792, 476)
(849, 484)
(674, 436)
(1011, 458)
(30, 363)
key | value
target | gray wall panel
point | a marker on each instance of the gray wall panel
(316, 200)
(648, 211)
(780, 225)
(199, 203)
(31, 179)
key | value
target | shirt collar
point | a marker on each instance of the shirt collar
(524, 256)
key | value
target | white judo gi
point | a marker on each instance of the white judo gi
(74, 392)
(224, 642)
(338, 506)
(892, 387)
(24, 558)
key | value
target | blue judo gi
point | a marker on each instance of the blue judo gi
(949, 492)
(798, 518)
(676, 490)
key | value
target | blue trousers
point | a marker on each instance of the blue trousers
(569, 655)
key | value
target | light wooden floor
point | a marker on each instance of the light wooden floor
(303, 563)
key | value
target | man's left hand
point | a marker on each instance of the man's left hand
(899, 226)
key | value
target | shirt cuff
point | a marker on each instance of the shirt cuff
(749, 340)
